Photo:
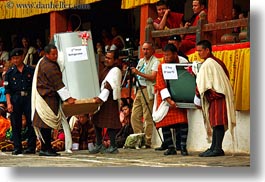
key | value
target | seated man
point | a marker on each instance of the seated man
(200, 12)
(83, 134)
(166, 20)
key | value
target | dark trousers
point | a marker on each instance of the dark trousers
(22, 105)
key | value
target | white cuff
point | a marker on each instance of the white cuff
(104, 94)
(165, 93)
(197, 100)
(64, 93)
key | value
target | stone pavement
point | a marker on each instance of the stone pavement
(125, 158)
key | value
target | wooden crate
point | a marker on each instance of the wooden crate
(82, 106)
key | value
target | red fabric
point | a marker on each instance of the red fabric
(61, 136)
(173, 21)
(189, 40)
(187, 44)
(217, 109)
(174, 115)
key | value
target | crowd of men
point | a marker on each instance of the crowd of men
(37, 91)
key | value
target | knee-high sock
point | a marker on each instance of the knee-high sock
(213, 139)
(98, 132)
(112, 134)
(220, 131)
(47, 136)
(166, 132)
(168, 137)
(183, 134)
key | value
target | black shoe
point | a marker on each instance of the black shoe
(98, 148)
(184, 151)
(214, 153)
(48, 153)
(170, 151)
(205, 153)
(29, 151)
(161, 148)
(111, 150)
(16, 152)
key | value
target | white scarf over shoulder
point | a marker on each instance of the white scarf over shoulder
(39, 105)
(212, 76)
(114, 79)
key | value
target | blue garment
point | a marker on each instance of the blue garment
(2, 94)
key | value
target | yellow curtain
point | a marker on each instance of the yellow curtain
(237, 61)
(21, 9)
(128, 4)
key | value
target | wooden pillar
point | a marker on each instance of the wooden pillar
(219, 11)
(58, 22)
(147, 11)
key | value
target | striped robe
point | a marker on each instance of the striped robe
(49, 80)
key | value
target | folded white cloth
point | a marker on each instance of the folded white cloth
(159, 113)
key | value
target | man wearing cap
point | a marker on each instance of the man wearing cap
(176, 40)
(18, 83)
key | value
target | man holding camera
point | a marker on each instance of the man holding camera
(145, 74)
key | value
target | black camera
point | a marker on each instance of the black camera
(127, 54)
(128, 57)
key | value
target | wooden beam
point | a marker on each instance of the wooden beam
(225, 25)
(146, 11)
(202, 29)
(58, 22)
(174, 31)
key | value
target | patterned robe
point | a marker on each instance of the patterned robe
(174, 115)
(83, 134)
(49, 80)
(108, 116)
